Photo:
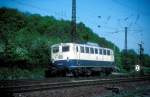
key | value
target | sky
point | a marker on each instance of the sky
(107, 18)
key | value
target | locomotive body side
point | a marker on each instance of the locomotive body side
(72, 56)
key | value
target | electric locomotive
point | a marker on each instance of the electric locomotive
(80, 59)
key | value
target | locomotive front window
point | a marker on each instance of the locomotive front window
(65, 48)
(55, 49)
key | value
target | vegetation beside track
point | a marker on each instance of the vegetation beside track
(17, 73)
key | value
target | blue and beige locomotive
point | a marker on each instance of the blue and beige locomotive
(81, 59)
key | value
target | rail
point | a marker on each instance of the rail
(26, 86)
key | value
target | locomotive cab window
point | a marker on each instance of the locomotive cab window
(65, 48)
(55, 49)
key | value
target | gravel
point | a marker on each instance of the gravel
(108, 90)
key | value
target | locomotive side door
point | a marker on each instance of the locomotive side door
(96, 54)
(77, 54)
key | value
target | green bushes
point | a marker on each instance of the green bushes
(17, 73)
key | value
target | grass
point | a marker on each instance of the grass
(17, 73)
(146, 70)
(39, 73)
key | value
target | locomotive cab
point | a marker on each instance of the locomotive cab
(61, 54)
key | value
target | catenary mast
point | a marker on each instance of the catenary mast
(73, 22)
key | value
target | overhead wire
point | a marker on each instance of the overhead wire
(131, 8)
(115, 29)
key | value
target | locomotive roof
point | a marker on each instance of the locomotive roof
(87, 44)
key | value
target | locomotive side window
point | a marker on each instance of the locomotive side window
(65, 48)
(104, 52)
(96, 51)
(108, 52)
(91, 50)
(87, 49)
(112, 53)
(55, 49)
(100, 51)
(81, 49)
(77, 49)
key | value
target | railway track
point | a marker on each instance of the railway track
(32, 85)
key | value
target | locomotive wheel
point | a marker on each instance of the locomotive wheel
(95, 73)
(75, 73)
(63, 73)
(108, 72)
(88, 73)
